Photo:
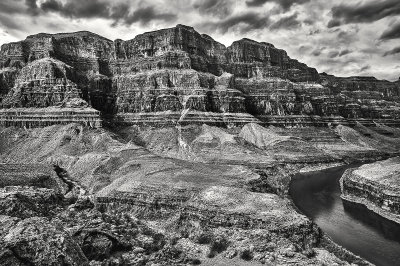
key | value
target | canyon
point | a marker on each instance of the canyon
(179, 75)
(173, 149)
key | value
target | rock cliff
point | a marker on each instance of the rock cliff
(376, 186)
(179, 75)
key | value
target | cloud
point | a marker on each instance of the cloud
(52, 5)
(318, 51)
(333, 54)
(32, 7)
(16, 7)
(391, 33)
(313, 32)
(118, 12)
(363, 12)
(393, 51)
(9, 22)
(365, 68)
(243, 22)
(289, 22)
(78, 8)
(345, 52)
(346, 37)
(305, 48)
(218, 8)
(147, 14)
(284, 4)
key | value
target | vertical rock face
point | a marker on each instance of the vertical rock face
(42, 83)
(248, 58)
(364, 97)
(169, 73)
(7, 80)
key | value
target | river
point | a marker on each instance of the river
(317, 195)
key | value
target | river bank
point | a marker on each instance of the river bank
(317, 195)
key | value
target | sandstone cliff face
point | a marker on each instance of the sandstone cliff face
(164, 74)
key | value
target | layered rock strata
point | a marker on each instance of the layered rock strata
(376, 186)
(43, 117)
(166, 74)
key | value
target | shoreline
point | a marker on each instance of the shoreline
(325, 241)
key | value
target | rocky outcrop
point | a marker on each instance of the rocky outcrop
(179, 70)
(37, 241)
(36, 175)
(24, 202)
(376, 186)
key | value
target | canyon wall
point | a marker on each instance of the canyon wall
(178, 75)
(375, 186)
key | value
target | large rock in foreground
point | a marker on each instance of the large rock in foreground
(376, 186)
(35, 241)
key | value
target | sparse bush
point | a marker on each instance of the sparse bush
(246, 255)
(204, 238)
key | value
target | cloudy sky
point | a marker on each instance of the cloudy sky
(350, 37)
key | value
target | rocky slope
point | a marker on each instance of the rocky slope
(179, 75)
(173, 196)
(376, 186)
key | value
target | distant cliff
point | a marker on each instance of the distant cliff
(185, 73)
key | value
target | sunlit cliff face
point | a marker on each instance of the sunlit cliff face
(340, 37)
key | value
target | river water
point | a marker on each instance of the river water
(352, 226)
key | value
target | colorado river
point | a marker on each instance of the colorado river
(354, 227)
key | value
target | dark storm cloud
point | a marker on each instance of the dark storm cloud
(32, 6)
(147, 14)
(289, 22)
(363, 12)
(285, 4)
(9, 22)
(52, 5)
(393, 51)
(19, 7)
(391, 33)
(119, 12)
(243, 22)
(78, 8)
(219, 8)
(345, 52)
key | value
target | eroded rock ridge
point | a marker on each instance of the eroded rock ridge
(179, 75)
